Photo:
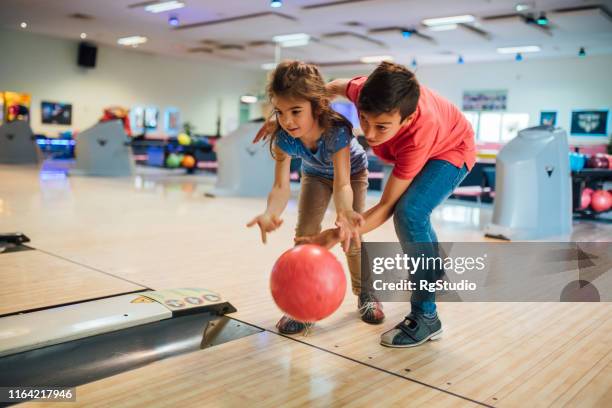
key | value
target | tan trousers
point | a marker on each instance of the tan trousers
(315, 195)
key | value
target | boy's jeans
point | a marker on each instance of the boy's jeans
(430, 188)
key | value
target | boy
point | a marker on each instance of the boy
(431, 146)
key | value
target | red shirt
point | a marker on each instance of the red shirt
(438, 131)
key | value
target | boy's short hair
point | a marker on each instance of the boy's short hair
(390, 87)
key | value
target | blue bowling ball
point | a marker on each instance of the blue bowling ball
(577, 161)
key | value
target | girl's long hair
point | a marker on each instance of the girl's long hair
(299, 80)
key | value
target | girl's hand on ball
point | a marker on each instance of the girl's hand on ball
(349, 223)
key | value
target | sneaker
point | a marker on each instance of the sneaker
(288, 325)
(370, 308)
(413, 331)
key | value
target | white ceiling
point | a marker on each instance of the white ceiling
(359, 28)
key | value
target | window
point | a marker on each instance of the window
(497, 127)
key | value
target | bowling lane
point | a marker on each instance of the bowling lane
(33, 279)
(263, 370)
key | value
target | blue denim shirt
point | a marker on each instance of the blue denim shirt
(320, 163)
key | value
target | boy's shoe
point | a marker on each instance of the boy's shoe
(413, 331)
(370, 308)
(288, 325)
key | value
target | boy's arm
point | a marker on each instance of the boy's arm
(383, 210)
(337, 87)
(374, 217)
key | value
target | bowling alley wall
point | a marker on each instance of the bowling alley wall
(533, 85)
(46, 68)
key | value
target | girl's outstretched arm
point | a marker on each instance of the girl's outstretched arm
(277, 199)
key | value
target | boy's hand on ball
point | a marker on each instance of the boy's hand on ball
(327, 238)
(267, 223)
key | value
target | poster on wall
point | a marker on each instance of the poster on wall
(493, 100)
(548, 118)
(151, 114)
(589, 123)
(17, 106)
(55, 113)
(172, 121)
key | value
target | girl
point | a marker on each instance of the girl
(333, 164)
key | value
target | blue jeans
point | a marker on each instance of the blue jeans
(434, 183)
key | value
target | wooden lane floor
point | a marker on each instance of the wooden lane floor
(34, 279)
(261, 370)
(169, 236)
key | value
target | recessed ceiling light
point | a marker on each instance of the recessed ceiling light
(522, 7)
(374, 59)
(133, 40)
(449, 20)
(83, 36)
(164, 6)
(443, 27)
(292, 40)
(276, 3)
(521, 49)
(23, 25)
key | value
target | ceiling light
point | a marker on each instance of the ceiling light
(83, 36)
(449, 20)
(512, 50)
(173, 21)
(406, 33)
(292, 40)
(519, 56)
(164, 6)
(460, 60)
(542, 20)
(375, 59)
(414, 63)
(133, 40)
(276, 3)
(268, 66)
(582, 52)
(248, 99)
(444, 27)
(23, 25)
(522, 7)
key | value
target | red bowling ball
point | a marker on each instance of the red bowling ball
(308, 283)
(601, 201)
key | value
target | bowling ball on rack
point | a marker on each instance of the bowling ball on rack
(188, 161)
(601, 201)
(585, 198)
(577, 161)
(184, 139)
(598, 161)
(173, 161)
